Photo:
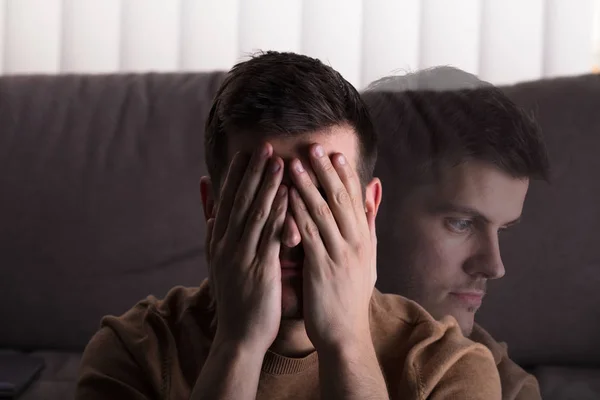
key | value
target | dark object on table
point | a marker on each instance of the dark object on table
(17, 371)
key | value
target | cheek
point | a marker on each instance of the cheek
(438, 255)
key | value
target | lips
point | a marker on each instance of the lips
(290, 269)
(471, 298)
(288, 264)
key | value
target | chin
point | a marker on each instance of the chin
(291, 314)
(464, 316)
(466, 322)
(291, 299)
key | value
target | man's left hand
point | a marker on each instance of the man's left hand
(339, 242)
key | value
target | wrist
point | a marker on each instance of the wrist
(246, 351)
(348, 350)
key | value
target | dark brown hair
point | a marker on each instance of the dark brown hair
(274, 94)
(444, 116)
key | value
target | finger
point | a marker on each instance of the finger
(246, 192)
(270, 240)
(340, 200)
(262, 206)
(314, 247)
(350, 180)
(227, 193)
(315, 206)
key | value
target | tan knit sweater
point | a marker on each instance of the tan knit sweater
(157, 349)
(517, 384)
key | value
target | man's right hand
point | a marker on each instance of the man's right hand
(243, 252)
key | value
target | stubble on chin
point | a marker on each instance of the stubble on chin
(292, 300)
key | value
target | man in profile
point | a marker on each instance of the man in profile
(464, 155)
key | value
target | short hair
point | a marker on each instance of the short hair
(443, 117)
(285, 94)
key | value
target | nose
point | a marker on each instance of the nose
(488, 261)
(290, 235)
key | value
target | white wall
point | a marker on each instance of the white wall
(596, 45)
(502, 41)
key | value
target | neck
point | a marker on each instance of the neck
(292, 340)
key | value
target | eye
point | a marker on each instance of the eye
(457, 225)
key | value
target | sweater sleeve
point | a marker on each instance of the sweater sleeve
(472, 376)
(517, 384)
(445, 365)
(108, 371)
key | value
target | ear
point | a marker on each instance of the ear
(373, 195)
(208, 198)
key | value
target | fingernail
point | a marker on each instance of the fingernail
(275, 166)
(342, 159)
(299, 166)
(319, 151)
(265, 150)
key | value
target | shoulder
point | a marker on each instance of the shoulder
(446, 364)
(516, 382)
(131, 348)
(126, 357)
(397, 309)
(480, 335)
(439, 361)
(152, 315)
(391, 313)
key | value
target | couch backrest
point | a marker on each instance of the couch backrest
(100, 206)
(547, 307)
(99, 202)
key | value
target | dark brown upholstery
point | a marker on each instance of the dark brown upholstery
(551, 292)
(100, 203)
(99, 207)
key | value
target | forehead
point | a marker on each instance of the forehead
(336, 139)
(479, 186)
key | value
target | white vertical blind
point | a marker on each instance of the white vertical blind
(332, 32)
(391, 31)
(567, 40)
(209, 34)
(503, 41)
(150, 38)
(450, 33)
(33, 36)
(512, 40)
(278, 28)
(2, 33)
(91, 35)
(596, 36)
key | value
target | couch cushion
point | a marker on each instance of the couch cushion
(100, 202)
(562, 383)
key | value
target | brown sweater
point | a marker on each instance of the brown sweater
(516, 383)
(157, 349)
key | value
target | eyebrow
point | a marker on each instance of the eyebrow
(449, 207)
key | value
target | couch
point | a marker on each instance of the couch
(100, 207)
